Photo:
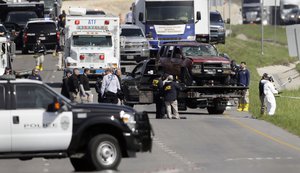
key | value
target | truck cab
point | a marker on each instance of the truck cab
(36, 121)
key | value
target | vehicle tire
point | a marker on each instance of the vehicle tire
(24, 51)
(104, 152)
(186, 76)
(217, 109)
(81, 164)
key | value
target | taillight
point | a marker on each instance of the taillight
(57, 36)
(101, 57)
(25, 37)
(77, 22)
(81, 57)
(106, 22)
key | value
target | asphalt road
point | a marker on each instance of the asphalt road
(230, 143)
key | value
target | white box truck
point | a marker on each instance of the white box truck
(91, 41)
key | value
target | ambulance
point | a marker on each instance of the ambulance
(91, 41)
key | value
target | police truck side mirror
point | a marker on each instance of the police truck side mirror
(141, 17)
(56, 106)
(198, 17)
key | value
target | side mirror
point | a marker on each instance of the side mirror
(228, 21)
(198, 17)
(56, 106)
(141, 17)
(123, 70)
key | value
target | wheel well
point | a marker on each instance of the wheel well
(104, 129)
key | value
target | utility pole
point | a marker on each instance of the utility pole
(262, 26)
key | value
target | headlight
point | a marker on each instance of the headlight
(282, 17)
(221, 29)
(292, 16)
(191, 37)
(226, 66)
(128, 119)
(145, 44)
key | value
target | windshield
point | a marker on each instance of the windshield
(21, 17)
(215, 17)
(2, 29)
(202, 50)
(132, 32)
(92, 40)
(176, 12)
(41, 27)
(251, 1)
(290, 6)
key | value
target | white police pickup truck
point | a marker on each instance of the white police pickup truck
(36, 121)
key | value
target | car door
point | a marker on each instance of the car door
(35, 129)
(5, 120)
(176, 61)
(131, 84)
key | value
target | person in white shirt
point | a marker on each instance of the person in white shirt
(269, 91)
(110, 87)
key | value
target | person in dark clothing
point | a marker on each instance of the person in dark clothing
(35, 75)
(65, 87)
(98, 89)
(39, 51)
(158, 98)
(170, 89)
(262, 82)
(234, 72)
(244, 80)
(7, 71)
(62, 19)
(73, 84)
(85, 90)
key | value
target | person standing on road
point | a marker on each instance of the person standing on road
(158, 98)
(39, 50)
(269, 91)
(170, 89)
(73, 84)
(85, 90)
(65, 86)
(262, 82)
(244, 80)
(35, 75)
(110, 87)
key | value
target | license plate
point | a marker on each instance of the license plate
(130, 57)
(42, 38)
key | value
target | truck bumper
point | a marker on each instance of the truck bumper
(136, 55)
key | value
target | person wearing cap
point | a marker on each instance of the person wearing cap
(262, 82)
(39, 50)
(269, 91)
(65, 87)
(157, 84)
(35, 75)
(84, 85)
(170, 89)
(243, 80)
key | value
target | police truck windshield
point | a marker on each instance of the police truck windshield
(177, 12)
(92, 40)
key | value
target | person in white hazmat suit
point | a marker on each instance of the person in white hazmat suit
(269, 91)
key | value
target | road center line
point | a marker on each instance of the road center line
(279, 141)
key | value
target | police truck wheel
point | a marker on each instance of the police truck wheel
(104, 152)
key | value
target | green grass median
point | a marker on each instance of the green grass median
(287, 114)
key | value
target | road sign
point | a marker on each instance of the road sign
(271, 2)
(293, 38)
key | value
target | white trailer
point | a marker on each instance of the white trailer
(172, 20)
(91, 41)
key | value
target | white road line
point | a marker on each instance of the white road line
(259, 158)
